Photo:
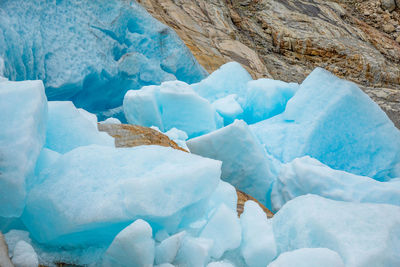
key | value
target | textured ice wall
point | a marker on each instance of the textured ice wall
(90, 52)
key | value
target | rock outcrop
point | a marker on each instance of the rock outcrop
(133, 135)
(286, 40)
(4, 259)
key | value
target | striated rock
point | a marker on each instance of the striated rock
(388, 5)
(286, 40)
(4, 259)
(243, 197)
(133, 135)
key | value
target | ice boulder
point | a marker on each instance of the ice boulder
(258, 246)
(92, 53)
(363, 234)
(224, 229)
(24, 255)
(23, 109)
(220, 264)
(228, 108)
(244, 160)
(308, 257)
(194, 252)
(91, 193)
(167, 250)
(306, 175)
(173, 104)
(133, 246)
(69, 128)
(230, 78)
(333, 121)
(266, 98)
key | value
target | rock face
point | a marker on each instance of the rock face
(286, 40)
(4, 259)
(134, 135)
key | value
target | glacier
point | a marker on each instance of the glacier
(23, 109)
(321, 153)
(90, 53)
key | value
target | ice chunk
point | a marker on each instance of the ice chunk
(24, 255)
(258, 246)
(308, 257)
(245, 163)
(230, 78)
(224, 229)
(166, 251)
(220, 264)
(111, 121)
(228, 108)
(92, 192)
(333, 121)
(69, 128)
(173, 104)
(133, 246)
(23, 109)
(193, 252)
(308, 176)
(363, 234)
(179, 137)
(225, 193)
(91, 54)
(266, 98)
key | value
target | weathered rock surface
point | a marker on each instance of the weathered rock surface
(4, 259)
(126, 135)
(286, 40)
(133, 135)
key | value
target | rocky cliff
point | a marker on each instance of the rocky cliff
(286, 40)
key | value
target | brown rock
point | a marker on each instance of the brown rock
(388, 28)
(4, 259)
(133, 135)
(388, 5)
(398, 39)
(286, 40)
(243, 197)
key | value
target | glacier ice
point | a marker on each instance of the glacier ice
(244, 161)
(23, 109)
(92, 53)
(266, 98)
(173, 104)
(166, 251)
(69, 128)
(194, 252)
(363, 234)
(230, 78)
(24, 255)
(332, 120)
(258, 246)
(228, 108)
(224, 229)
(133, 246)
(220, 264)
(308, 257)
(309, 176)
(90, 193)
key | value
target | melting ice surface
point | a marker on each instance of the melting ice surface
(90, 52)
